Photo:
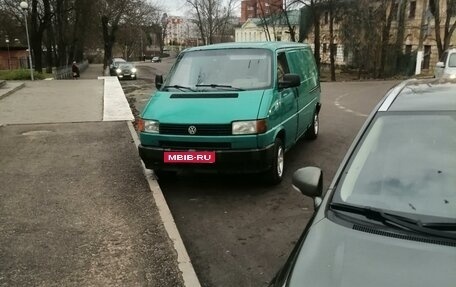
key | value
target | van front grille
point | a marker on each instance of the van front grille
(194, 145)
(201, 129)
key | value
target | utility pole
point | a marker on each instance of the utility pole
(420, 52)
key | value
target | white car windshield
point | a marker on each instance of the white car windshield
(452, 60)
(405, 163)
(245, 69)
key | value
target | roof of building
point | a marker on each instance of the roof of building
(271, 45)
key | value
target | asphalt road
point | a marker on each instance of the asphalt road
(237, 230)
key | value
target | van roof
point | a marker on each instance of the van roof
(263, 45)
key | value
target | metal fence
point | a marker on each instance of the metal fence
(65, 72)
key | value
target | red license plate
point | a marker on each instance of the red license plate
(189, 156)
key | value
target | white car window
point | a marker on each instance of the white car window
(452, 60)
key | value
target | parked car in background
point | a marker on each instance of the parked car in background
(446, 68)
(126, 70)
(113, 65)
(156, 59)
(389, 215)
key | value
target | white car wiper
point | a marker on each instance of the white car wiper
(220, 86)
(393, 219)
(182, 88)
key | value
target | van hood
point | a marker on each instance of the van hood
(203, 107)
(337, 256)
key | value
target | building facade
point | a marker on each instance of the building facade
(419, 31)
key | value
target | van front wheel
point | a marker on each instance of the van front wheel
(312, 132)
(275, 174)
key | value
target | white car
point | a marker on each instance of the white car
(446, 68)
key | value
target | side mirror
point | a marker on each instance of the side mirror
(158, 81)
(440, 65)
(290, 81)
(309, 181)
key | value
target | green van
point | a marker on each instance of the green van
(233, 107)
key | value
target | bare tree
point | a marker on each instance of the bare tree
(388, 10)
(449, 27)
(314, 9)
(211, 16)
(332, 50)
(360, 34)
(112, 13)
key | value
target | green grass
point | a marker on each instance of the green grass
(22, 74)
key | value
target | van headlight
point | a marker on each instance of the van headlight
(118, 71)
(133, 70)
(249, 127)
(148, 126)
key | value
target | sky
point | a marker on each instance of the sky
(175, 7)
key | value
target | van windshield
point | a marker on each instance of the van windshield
(245, 69)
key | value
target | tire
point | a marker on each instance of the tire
(312, 132)
(275, 174)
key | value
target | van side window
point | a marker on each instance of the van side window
(313, 73)
(299, 64)
(282, 66)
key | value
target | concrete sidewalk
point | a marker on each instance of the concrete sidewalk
(75, 208)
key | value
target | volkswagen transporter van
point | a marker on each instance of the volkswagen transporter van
(234, 107)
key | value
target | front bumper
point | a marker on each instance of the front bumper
(232, 161)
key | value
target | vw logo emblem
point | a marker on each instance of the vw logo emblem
(192, 130)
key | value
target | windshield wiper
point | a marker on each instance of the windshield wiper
(182, 88)
(393, 219)
(220, 86)
(448, 226)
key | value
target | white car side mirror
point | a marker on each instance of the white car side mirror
(440, 65)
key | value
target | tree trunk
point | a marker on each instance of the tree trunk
(109, 39)
(400, 33)
(316, 20)
(331, 40)
(49, 48)
(37, 28)
(435, 9)
(385, 39)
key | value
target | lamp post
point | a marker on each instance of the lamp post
(24, 7)
(9, 57)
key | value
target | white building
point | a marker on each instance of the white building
(256, 30)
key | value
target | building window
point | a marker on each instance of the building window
(412, 10)
(426, 57)
(408, 49)
(325, 47)
(345, 55)
(326, 17)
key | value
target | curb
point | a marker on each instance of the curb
(18, 87)
(183, 260)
